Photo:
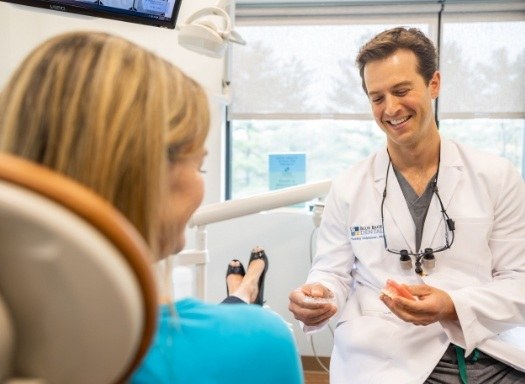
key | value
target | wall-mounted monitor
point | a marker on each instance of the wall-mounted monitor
(160, 13)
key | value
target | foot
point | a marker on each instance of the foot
(234, 275)
(248, 290)
(251, 280)
(257, 256)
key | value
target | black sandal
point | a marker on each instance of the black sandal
(234, 270)
(258, 253)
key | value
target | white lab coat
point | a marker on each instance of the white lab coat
(483, 272)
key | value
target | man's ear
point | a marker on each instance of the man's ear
(435, 84)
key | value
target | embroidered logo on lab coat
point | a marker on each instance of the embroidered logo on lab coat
(366, 232)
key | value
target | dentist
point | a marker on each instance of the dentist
(445, 220)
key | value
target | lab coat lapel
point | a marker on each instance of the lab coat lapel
(448, 178)
(399, 227)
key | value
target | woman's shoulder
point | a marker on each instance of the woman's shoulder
(227, 316)
(250, 336)
(234, 340)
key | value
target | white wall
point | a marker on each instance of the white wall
(284, 235)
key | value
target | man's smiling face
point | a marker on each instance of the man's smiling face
(401, 101)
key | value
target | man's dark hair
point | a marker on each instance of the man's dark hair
(387, 42)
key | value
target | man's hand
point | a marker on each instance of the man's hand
(432, 305)
(312, 304)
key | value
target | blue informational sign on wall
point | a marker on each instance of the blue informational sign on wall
(286, 170)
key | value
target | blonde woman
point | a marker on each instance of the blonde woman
(131, 126)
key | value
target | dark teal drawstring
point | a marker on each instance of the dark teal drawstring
(472, 358)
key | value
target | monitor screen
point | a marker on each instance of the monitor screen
(160, 13)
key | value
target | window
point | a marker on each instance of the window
(482, 102)
(296, 87)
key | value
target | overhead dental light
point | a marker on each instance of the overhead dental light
(202, 34)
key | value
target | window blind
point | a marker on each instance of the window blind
(299, 60)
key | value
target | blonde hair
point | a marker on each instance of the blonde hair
(107, 113)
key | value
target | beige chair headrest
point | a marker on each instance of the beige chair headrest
(75, 278)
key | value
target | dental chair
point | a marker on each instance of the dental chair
(78, 299)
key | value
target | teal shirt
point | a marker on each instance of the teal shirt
(220, 343)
